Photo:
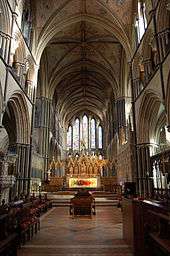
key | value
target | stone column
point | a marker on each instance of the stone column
(2, 45)
(22, 165)
(121, 118)
(42, 123)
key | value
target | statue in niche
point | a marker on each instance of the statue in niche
(90, 169)
(83, 168)
(71, 170)
(87, 168)
(95, 170)
(76, 169)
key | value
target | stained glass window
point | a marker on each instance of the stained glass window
(81, 131)
(82, 134)
(76, 134)
(85, 130)
(93, 133)
(100, 137)
(69, 137)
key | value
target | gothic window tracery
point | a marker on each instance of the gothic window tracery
(76, 134)
(93, 133)
(69, 136)
(100, 137)
(85, 132)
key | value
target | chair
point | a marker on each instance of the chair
(82, 205)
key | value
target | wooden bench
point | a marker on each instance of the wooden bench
(8, 246)
(8, 236)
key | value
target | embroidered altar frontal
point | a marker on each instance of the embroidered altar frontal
(84, 182)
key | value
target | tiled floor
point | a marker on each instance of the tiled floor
(63, 235)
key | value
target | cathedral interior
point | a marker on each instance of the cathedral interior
(84, 127)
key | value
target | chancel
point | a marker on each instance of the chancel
(84, 127)
(83, 169)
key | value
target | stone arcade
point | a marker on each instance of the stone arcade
(85, 103)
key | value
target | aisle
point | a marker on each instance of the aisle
(63, 235)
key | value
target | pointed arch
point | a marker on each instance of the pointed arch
(163, 16)
(150, 111)
(114, 27)
(18, 109)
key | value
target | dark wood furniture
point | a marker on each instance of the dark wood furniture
(82, 205)
(8, 236)
(146, 227)
(19, 222)
(128, 222)
(28, 221)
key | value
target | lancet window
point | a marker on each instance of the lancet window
(76, 134)
(69, 138)
(85, 132)
(100, 137)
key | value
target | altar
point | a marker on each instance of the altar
(84, 171)
(84, 182)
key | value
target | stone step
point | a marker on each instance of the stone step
(95, 193)
(56, 196)
(98, 205)
(97, 202)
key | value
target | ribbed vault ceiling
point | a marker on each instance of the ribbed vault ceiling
(84, 62)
